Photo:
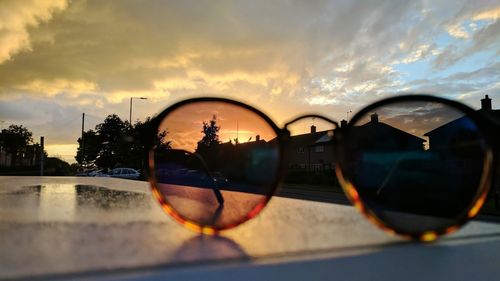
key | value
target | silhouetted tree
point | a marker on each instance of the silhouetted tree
(113, 148)
(15, 139)
(161, 141)
(136, 137)
(208, 146)
(211, 132)
(32, 152)
(117, 143)
(88, 154)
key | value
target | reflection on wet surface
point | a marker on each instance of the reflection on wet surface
(210, 247)
(105, 198)
(74, 202)
(76, 227)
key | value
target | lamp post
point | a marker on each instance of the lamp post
(132, 98)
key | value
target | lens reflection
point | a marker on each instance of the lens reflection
(416, 165)
(216, 163)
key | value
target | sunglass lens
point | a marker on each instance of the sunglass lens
(215, 164)
(417, 166)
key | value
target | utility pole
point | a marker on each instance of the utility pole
(83, 141)
(41, 155)
(130, 115)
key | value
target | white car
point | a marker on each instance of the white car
(125, 173)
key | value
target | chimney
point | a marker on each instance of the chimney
(486, 103)
(374, 118)
(343, 124)
(313, 129)
(257, 138)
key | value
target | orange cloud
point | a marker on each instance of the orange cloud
(16, 17)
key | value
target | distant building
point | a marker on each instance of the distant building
(313, 151)
(29, 156)
(5, 158)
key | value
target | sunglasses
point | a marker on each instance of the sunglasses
(418, 166)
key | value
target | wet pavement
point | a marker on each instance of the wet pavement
(68, 202)
(94, 227)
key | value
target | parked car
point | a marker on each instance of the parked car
(125, 173)
(82, 172)
(98, 173)
(219, 178)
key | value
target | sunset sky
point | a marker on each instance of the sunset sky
(184, 125)
(61, 58)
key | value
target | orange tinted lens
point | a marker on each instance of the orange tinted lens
(215, 164)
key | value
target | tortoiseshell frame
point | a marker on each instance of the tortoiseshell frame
(486, 125)
(208, 229)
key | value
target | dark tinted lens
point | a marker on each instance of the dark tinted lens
(417, 166)
(216, 164)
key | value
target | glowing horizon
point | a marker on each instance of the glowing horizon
(185, 124)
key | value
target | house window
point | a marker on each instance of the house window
(317, 167)
(319, 148)
(300, 149)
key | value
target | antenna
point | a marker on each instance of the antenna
(350, 111)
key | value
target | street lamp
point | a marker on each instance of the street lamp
(132, 98)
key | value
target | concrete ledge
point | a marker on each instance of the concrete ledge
(111, 229)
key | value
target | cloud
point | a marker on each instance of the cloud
(53, 87)
(282, 57)
(477, 23)
(458, 31)
(16, 17)
(467, 87)
(127, 46)
(484, 40)
(419, 53)
(490, 14)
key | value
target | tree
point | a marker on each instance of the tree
(87, 154)
(211, 132)
(16, 139)
(32, 152)
(137, 138)
(111, 141)
(208, 146)
(118, 143)
(161, 142)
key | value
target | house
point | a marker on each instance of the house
(376, 135)
(443, 136)
(29, 156)
(313, 151)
